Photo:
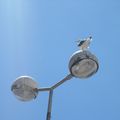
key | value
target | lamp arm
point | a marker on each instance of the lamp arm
(68, 77)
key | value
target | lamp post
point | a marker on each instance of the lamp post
(82, 64)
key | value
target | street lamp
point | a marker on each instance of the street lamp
(82, 64)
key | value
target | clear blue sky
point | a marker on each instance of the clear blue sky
(37, 38)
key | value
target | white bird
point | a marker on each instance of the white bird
(84, 44)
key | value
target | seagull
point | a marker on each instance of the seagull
(84, 44)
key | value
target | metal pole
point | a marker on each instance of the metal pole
(68, 77)
(50, 89)
(48, 117)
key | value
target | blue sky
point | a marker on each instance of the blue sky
(37, 38)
